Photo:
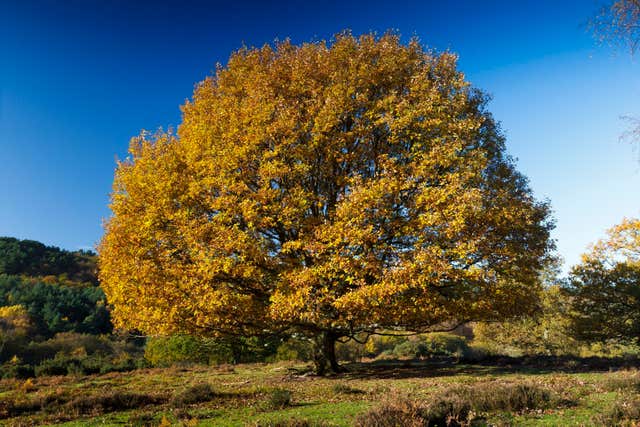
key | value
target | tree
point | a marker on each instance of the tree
(547, 332)
(15, 328)
(31, 258)
(605, 287)
(57, 308)
(326, 189)
(619, 23)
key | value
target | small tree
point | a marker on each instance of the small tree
(329, 190)
(605, 287)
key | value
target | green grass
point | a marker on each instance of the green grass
(240, 395)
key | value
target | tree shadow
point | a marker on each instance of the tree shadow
(499, 365)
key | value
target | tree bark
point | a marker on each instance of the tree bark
(325, 353)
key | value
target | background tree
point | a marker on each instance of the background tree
(15, 328)
(547, 332)
(619, 23)
(55, 307)
(605, 287)
(328, 189)
(32, 258)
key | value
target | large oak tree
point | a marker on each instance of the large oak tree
(327, 189)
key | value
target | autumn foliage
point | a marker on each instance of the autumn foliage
(605, 287)
(328, 189)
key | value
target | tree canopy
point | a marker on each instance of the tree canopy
(619, 23)
(329, 189)
(605, 287)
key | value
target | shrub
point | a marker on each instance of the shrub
(59, 365)
(291, 422)
(112, 402)
(345, 389)
(186, 349)
(455, 406)
(622, 413)
(16, 370)
(428, 345)
(410, 349)
(195, 394)
(393, 413)
(504, 397)
(278, 398)
(350, 351)
(379, 344)
(68, 343)
(294, 349)
(621, 382)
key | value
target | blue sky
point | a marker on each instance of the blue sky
(79, 78)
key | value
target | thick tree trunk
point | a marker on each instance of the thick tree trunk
(325, 353)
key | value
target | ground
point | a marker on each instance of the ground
(263, 394)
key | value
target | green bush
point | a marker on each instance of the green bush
(69, 343)
(16, 370)
(59, 365)
(185, 349)
(429, 345)
(278, 399)
(294, 349)
(63, 364)
(382, 344)
(410, 349)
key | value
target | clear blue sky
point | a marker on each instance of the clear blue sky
(79, 78)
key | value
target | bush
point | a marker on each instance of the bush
(112, 402)
(62, 364)
(291, 422)
(621, 382)
(68, 343)
(393, 413)
(504, 397)
(186, 349)
(195, 394)
(294, 349)
(59, 365)
(429, 345)
(410, 349)
(455, 406)
(350, 351)
(16, 370)
(345, 389)
(622, 413)
(379, 344)
(278, 399)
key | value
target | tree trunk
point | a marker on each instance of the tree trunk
(325, 353)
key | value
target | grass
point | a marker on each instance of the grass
(284, 395)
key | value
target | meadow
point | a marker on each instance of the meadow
(391, 393)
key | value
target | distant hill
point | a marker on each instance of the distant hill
(34, 259)
(58, 288)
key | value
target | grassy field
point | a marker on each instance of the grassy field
(283, 394)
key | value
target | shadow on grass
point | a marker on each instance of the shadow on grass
(502, 365)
